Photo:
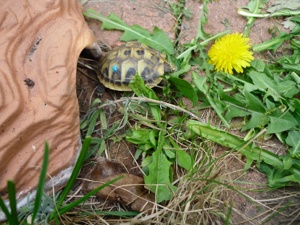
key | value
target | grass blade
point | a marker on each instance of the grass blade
(70, 206)
(41, 184)
(126, 214)
(11, 188)
(228, 216)
(99, 141)
(4, 209)
(78, 165)
(93, 122)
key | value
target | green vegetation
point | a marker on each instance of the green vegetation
(266, 97)
(173, 141)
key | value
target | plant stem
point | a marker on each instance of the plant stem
(251, 20)
(203, 43)
(269, 44)
(149, 100)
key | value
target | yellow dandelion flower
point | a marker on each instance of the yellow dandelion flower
(231, 52)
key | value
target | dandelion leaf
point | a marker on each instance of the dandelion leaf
(257, 120)
(158, 39)
(258, 64)
(263, 82)
(140, 89)
(200, 82)
(233, 112)
(288, 88)
(276, 177)
(158, 179)
(141, 136)
(254, 103)
(288, 24)
(293, 141)
(234, 106)
(280, 122)
(184, 159)
(284, 4)
(276, 89)
(185, 89)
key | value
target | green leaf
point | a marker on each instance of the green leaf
(260, 114)
(185, 67)
(259, 65)
(201, 34)
(210, 95)
(140, 89)
(158, 40)
(296, 112)
(276, 178)
(92, 122)
(253, 103)
(257, 120)
(5, 210)
(263, 82)
(156, 112)
(185, 88)
(134, 32)
(200, 82)
(68, 207)
(184, 159)
(254, 6)
(291, 67)
(284, 4)
(76, 170)
(257, 109)
(169, 153)
(142, 136)
(281, 121)
(11, 189)
(226, 139)
(289, 162)
(288, 88)
(152, 137)
(233, 112)
(41, 183)
(235, 106)
(293, 140)
(158, 179)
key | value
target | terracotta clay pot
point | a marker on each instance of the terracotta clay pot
(40, 42)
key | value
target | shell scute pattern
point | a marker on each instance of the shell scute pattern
(120, 65)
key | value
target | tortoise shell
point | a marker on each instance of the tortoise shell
(121, 64)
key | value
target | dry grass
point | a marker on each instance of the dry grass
(216, 191)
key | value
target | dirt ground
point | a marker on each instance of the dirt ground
(255, 206)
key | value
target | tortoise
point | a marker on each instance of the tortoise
(121, 64)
